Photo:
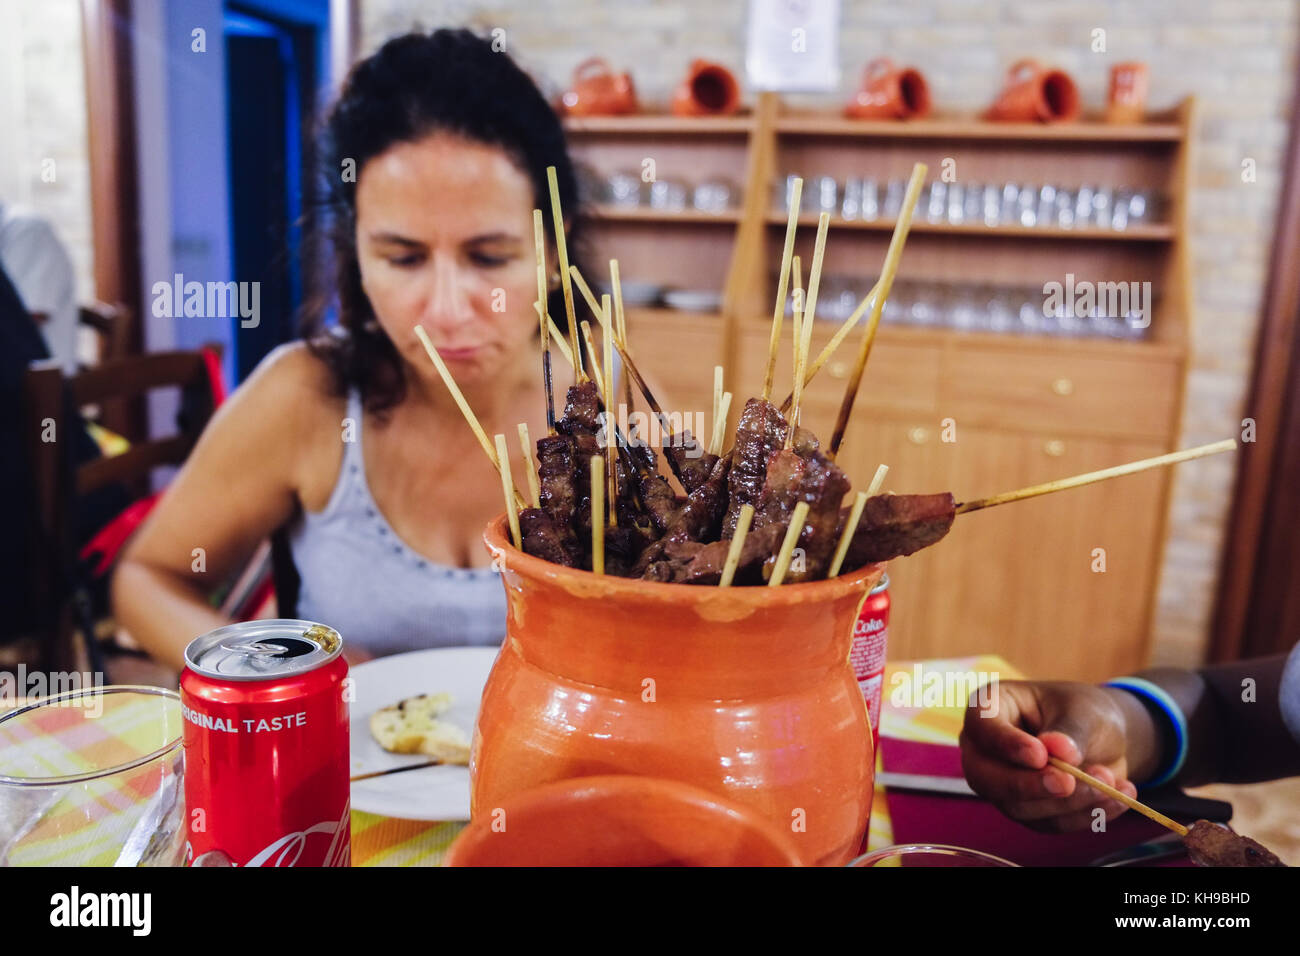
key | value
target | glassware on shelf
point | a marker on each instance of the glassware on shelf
(826, 192)
(894, 198)
(624, 189)
(714, 196)
(1064, 214)
(936, 207)
(668, 195)
(851, 203)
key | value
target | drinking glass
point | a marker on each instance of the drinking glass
(93, 777)
(1046, 213)
(992, 205)
(714, 195)
(937, 205)
(851, 204)
(928, 854)
(1102, 202)
(668, 194)
(894, 198)
(956, 203)
(974, 209)
(826, 191)
(870, 200)
(1007, 213)
(624, 189)
(1064, 216)
(1027, 206)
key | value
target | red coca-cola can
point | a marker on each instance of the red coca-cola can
(870, 635)
(266, 746)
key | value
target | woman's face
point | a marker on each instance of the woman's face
(445, 240)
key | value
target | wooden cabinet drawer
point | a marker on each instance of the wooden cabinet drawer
(901, 378)
(676, 354)
(1059, 393)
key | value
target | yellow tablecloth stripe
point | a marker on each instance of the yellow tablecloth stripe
(382, 841)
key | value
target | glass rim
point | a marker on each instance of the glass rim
(33, 782)
(939, 849)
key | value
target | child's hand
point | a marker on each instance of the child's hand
(1005, 744)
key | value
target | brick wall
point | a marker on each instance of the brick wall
(1237, 56)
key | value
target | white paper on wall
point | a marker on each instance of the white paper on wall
(793, 45)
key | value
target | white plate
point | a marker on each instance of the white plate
(434, 793)
(693, 300)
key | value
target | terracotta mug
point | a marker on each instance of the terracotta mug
(1127, 100)
(1035, 93)
(620, 821)
(709, 89)
(598, 91)
(746, 692)
(889, 92)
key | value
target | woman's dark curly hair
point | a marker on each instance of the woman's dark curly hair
(414, 85)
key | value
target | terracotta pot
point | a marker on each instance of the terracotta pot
(1127, 100)
(709, 89)
(746, 692)
(889, 92)
(598, 91)
(621, 821)
(1035, 93)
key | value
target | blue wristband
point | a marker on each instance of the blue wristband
(1157, 695)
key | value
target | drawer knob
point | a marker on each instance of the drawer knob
(918, 435)
(839, 370)
(1063, 386)
(1055, 448)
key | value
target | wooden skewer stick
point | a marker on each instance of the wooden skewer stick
(737, 545)
(592, 302)
(508, 486)
(787, 546)
(544, 320)
(611, 450)
(562, 250)
(799, 302)
(534, 490)
(557, 339)
(796, 314)
(597, 514)
(778, 312)
(1119, 795)
(835, 342)
(590, 346)
(385, 773)
(850, 528)
(620, 320)
(815, 277)
(892, 257)
(809, 315)
(717, 391)
(463, 405)
(877, 480)
(720, 425)
(1187, 454)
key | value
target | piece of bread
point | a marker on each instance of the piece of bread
(411, 727)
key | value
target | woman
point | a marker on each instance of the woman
(436, 154)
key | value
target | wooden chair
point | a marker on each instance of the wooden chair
(53, 400)
(111, 324)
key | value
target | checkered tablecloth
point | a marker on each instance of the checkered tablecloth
(382, 841)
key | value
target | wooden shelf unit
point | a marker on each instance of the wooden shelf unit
(1019, 580)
